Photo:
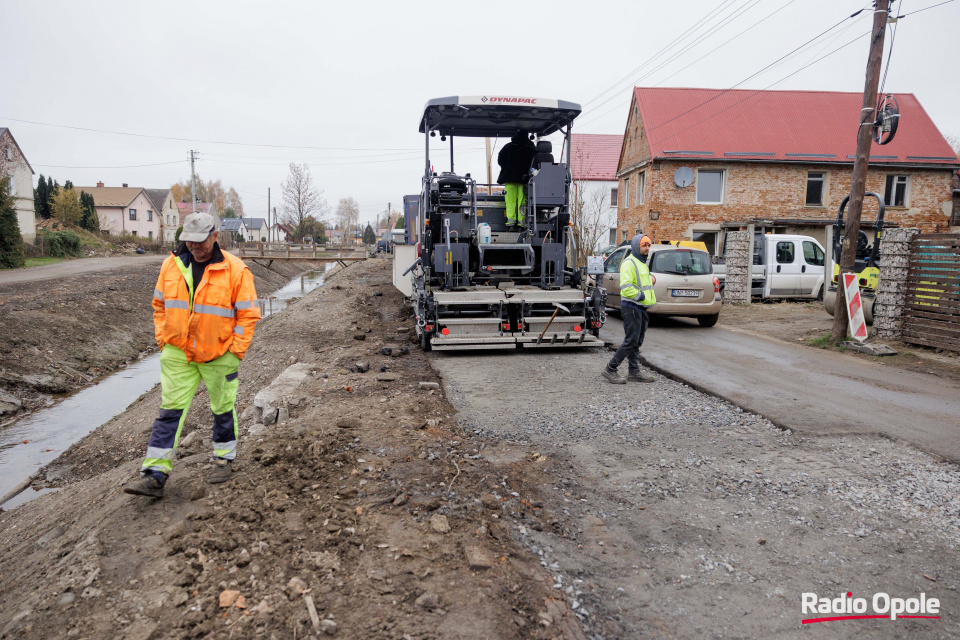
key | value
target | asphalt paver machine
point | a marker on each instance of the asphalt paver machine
(477, 282)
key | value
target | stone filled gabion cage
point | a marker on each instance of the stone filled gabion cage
(892, 293)
(736, 287)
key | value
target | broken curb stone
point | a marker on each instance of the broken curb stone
(429, 385)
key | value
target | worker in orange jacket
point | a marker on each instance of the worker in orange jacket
(204, 311)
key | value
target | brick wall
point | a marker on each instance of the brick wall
(758, 190)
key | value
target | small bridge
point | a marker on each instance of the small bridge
(271, 251)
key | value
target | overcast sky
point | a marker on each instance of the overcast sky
(247, 83)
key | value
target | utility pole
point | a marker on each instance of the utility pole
(387, 225)
(858, 184)
(268, 214)
(193, 181)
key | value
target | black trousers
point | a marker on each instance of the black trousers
(635, 323)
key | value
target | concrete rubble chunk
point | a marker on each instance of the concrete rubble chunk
(362, 366)
(9, 403)
(429, 385)
(439, 523)
(271, 398)
(296, 586)
(428, 600)
(477, 558)
(228, 598)
(386, 377)
(189, 440)
(869, 348)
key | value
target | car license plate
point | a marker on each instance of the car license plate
(685, 293)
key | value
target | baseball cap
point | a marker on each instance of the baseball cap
(197, 226)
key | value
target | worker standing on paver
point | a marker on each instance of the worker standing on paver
(515, 160)
(204, 311)
(636, 296)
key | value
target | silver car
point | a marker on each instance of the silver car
(683, 282)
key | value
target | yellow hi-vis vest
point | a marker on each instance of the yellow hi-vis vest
(634, 278)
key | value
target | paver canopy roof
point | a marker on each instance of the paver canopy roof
(794, 126)
(492, 115)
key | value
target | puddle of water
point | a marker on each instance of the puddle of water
(37, 439)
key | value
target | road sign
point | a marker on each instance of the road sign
(858, 326)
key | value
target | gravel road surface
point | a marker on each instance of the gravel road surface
(680, 515)
(75, 267)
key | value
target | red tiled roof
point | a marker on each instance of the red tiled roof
(796, 126)
(594, 156)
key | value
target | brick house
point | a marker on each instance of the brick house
(593, 168)
(14, 164)
(771, 155)
(125, 210)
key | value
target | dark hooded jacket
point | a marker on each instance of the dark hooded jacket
(515, 159)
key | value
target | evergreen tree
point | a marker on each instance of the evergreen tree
(38, 196)
(401, 223)
(11, 242)
(68, 184)
(88, 218)
(369, 237)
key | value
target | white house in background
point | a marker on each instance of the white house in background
(125, 211)
(166, 206)
(255, 229)
(593, 167)
(231, 227)
(14, 164)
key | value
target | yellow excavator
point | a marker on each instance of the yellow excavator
(865, 263)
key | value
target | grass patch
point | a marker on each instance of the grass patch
(39, 262)
(822, 342)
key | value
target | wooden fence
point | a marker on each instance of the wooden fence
(931, 316)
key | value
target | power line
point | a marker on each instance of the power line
(124, 166)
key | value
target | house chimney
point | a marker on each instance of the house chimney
(124, 185)
(99, 184)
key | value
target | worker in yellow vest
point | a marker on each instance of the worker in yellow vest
(636, 296)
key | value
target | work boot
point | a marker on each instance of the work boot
(221, 471)
(148, 485)
(612, 377)
(640, 376)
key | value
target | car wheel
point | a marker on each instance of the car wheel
(708, 321)
(820, 294)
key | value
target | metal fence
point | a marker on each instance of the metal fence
(931, 316)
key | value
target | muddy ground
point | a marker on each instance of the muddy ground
(533, 501)
(63, 334)
(368, 503)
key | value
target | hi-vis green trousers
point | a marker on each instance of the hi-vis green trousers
(179, 380)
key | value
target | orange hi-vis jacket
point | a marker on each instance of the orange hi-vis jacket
(209, 319)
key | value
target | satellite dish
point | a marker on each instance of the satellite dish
(683, 177)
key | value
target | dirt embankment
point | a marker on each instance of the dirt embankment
(367, 510)
(63, 334)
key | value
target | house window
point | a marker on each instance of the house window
(815, 182)
(133, 214)
(12, 186)
(895, 193)
(641, 186)
(9, 153)
(150, 235)
(149, 215)
(623, 236)
(709, 238)
(626, 193)
(133, 233)
(613, 197)
(710, 186)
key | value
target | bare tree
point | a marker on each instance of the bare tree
(348, 216)
(301, 199)
(587, 208)
(954, 141)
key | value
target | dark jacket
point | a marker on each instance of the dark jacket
(515, 159)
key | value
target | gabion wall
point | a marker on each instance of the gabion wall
(736, 288)
(892, 293)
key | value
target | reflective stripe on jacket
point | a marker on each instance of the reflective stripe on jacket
(634, 278)
(209, 319)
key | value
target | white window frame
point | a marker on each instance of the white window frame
(823, 190)
(641, 186)
(626, 193)
(723, 185)
(12, 185)
(149, 215)
(131, 214)
(614, 196)
(906, 190)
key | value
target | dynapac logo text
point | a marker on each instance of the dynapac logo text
(505, 100)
